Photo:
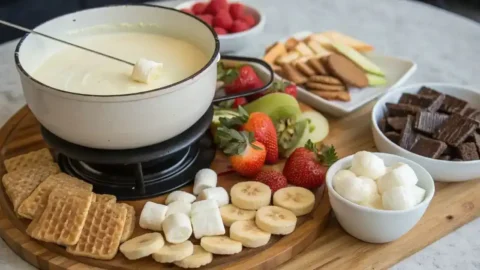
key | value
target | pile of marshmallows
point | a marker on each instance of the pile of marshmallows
(370, 183)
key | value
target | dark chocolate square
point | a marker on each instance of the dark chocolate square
(452, 105)
(476, 140)
(455, 130)
(429, 122)
(445, 157)
(397, 123)
(401, 110)
(468, 151)
(428, 91)
(393, 136)
(429, 103)
(382, 125)
(408, 135)
(428, 147)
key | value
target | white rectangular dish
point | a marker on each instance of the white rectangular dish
(397, 71)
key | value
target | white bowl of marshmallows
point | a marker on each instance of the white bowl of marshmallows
(378, 197)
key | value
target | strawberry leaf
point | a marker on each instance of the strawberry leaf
(310, 146)
(236, 121)
(227, 104)
(230, 76)
(220, 71)
(231, 141)
(328, 155)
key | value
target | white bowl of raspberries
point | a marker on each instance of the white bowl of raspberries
(234, 22)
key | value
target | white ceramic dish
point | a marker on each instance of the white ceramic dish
(397, 71)
(441, 170)
(374, 225)
(235, 42)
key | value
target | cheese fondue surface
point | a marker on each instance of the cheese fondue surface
(78, 71)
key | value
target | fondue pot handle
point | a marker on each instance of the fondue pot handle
(221, 95)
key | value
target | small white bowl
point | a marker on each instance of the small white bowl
(237, 41)
(374, 225)
(441, 170)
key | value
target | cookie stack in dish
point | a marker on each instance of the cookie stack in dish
(63, 209)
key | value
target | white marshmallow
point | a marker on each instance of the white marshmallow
(219, 194)
(205, 178)
(203, 206)
(400, 175)
(418, 194)
(207, 223)
(339, 180)
(370, 188)
(152, 216)
(146, 70)
(177, 228)
(374, 202)
(367, 164)
(398, 198)
(179, 207)
(357, 189)
(179, 195)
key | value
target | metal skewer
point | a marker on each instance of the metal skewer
(62, 41)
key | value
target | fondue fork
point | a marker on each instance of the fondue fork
(64, 42)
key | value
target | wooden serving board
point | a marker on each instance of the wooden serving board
(314, 244)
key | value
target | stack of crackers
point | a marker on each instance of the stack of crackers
(64, 210)
(314, 64)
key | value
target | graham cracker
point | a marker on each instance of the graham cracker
(25, 161)
(104, 198)
(130, 222)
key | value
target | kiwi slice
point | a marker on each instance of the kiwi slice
(289, 133)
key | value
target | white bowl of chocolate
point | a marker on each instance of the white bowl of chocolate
(436, 125)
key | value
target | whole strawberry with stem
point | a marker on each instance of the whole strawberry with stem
(275, 180)
(241, 79)
(262, 127)
(306, 167)
(246, 155)
(278, 86)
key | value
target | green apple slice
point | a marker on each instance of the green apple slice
(375, 80)
(357, 58)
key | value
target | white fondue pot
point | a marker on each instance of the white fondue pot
(129, 120)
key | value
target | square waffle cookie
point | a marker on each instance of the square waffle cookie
(25, 161)
(21, 183)
(37, 201)
(64, 216)
(102, 231)
(129, 223)
(104, 198)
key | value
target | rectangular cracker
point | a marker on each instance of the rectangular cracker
(130, 222)
(101, 234)
(333, 95)
(274, 52)
(20, 184)
(64, 216)
(37, 201)
(25, 161)
(104, 198)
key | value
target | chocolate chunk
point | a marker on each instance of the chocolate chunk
(393, 136)
(445, 157)
(428, 147)
(429, 122)
(382, 125)
(455, 130)
(472, 114)
(468, 151)
(397, 123)
(428, 91)
(476, 140)
(429, 103)
(408, 135)
(452, 105)
(401, 110)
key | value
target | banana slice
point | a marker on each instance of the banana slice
(220, 245)
(142, 246)
(200, 257)
(296, 199)
(177, 228)
(250, 195)
(231, 213)
(146, 70)
(219, 194)
(275, 220)
(247, 233)
(179, 195)
(173, 252)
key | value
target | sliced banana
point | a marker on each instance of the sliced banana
(146, 71)
(221, 245)
(275, 220)
(250, 195)
(179, 195)
(247, 233)
(142, 246)
(219, 194)
(179, 207)
(296, 199)
(231, 213)
(173, 252)
(177, 228)
(199, 258)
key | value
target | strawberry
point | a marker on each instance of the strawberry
(275, 180)
(237, 10)
(215, 6)
(241, 79)
(186, 10)
(239, 101)
(199, 8)
(249, 20)
(306, 167)
(239, 26)
(206, 18)
(246, 155)
(223, 20)
(262, 127)
(286, 87)
(220, 31)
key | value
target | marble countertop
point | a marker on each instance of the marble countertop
(444, 45)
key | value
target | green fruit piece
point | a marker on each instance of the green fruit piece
(275, 105)
(289, 133)
(375, 80)
(217, 114)
(358, 58)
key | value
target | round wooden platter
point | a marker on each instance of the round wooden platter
(21, 134)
